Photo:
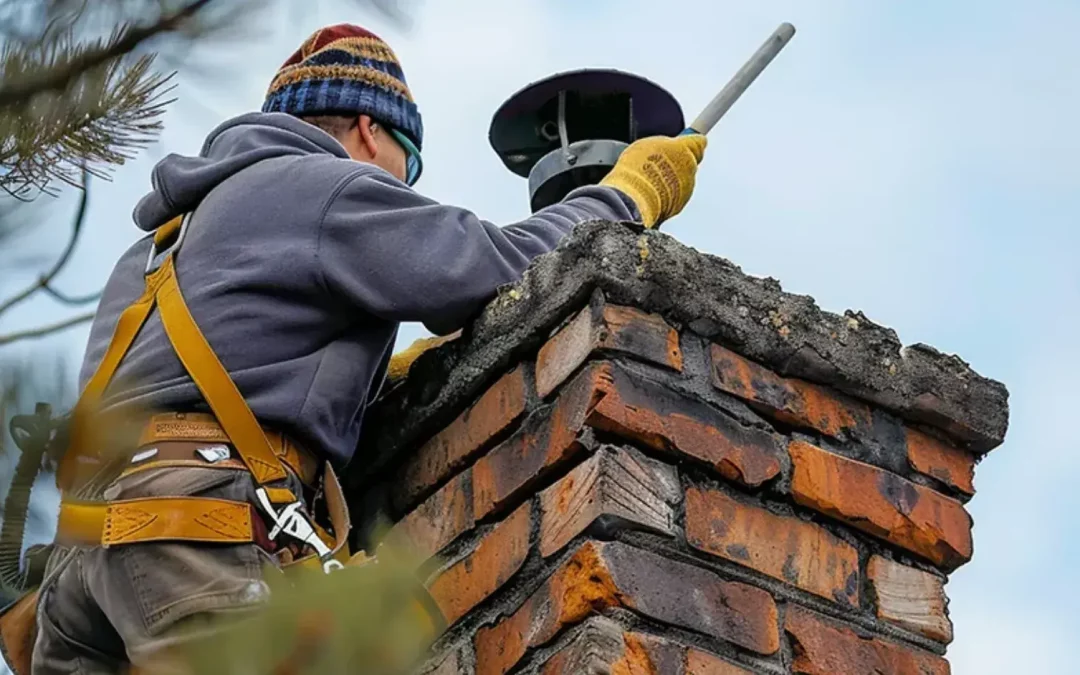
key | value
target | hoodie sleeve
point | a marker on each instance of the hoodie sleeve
(403, 257)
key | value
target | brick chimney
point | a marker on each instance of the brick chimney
(641, 460)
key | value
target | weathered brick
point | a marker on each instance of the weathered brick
(910, 598)
(495, 410)
(548, 437)
(659, 417)
(611, 327)
(794, 551)
(882, 504)
(937, 459)
(498, 556)
(822, 647)
(451, 665)
(615, 483)
(788, 400)
(648, 655)
(440, 518)
(603, 646)
(602, 576)
(700, 663)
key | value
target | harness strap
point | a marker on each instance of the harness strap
(214, 382)
(127, 327)
(130, 521)
(198, 359)
(189, 518)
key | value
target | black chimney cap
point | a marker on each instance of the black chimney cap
(601, 104)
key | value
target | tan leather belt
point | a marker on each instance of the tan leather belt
(155, 519)
(181, 439)
(196, 439)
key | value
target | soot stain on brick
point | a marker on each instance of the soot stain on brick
(641, 336)
(899, 492)
(638, 391)
(888, 434)
(719, 527)
(772, 393)
(737, 551)
(851, 585)
(791, 574)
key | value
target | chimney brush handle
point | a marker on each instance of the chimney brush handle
(742, 81)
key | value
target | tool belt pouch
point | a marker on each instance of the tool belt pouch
(18, 630)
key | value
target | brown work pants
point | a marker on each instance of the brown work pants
(107, 609)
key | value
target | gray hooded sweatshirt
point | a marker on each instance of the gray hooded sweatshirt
(299, 264)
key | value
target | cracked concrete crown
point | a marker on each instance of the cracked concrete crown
(712, 297)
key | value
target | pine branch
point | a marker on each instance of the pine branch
(63, 74)
(66, 299)
(68, 103)
(47, 329)
(103, 119)
(44, 280)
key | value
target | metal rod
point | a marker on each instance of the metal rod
(742, 80)
(564, 137)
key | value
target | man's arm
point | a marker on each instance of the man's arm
(404, 257)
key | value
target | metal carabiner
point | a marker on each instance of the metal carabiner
(292, 521)
(156, 258)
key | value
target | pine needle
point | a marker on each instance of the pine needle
(99, 120)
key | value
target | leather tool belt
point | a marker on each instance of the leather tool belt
(196, 439)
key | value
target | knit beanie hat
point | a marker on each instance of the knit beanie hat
(345, 69)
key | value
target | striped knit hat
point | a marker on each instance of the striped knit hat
(345, 69)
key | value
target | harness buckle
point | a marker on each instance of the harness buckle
(156, 258)
(292, 521)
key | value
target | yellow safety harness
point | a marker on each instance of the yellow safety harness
(189, 518)
(263, 453)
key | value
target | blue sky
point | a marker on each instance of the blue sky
(916, 161)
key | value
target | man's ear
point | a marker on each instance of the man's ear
(367, 136)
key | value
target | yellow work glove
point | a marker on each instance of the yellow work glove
(658, 174)
(402, 361)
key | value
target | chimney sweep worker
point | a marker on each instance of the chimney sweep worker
(256, 320)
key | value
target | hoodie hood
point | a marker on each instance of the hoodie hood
(180, 183)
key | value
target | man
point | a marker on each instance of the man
(305, 249)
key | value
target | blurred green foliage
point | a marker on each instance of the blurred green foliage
(361, 619)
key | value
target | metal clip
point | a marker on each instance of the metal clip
(156, 258)
(292, 521)
(214, 453)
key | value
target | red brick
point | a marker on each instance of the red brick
(882, 504)
(937, 459)
(786, 548)
(499, 555)
(648, 655)
(656, 416)
(610, 327)
(602, 646)
(822, 647)
(792, 401)
(440, 519)
(547, 438)
(495, 410)
(910, 598)
(451, 665)
(615, 483)
(602, 576)
(700, 663)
